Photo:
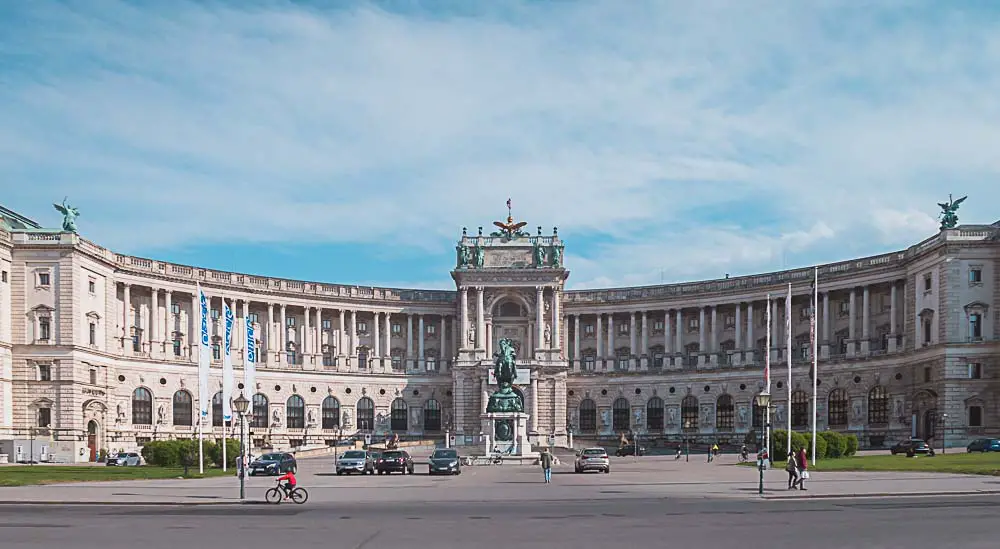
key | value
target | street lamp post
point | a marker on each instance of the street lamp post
(240, 405)
(763, 402)
(944, 430)
(336, 442)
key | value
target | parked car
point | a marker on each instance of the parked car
(125, 459)
(912, 447)
(592, 459)
(984, 445)
(630, 450)
(274, 464)
(394, 461)
(356, 461)
(445, 460)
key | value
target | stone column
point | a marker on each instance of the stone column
(633, 350)
(701, 330)
(556, 321)
(318, 333)
(341, 334)
(751, 343)
(154, 323)
(610, 351)
(127, 314)
(667, 332)
(576, 344)
(282, 339)
(480, 318)
(409, 342)
(420, 342)
(352, 332)
(825, 349)
(852, 330)
(387, 349)
(892, 317)
(485, 393)
(865, 320)
(715, 329)
(679, 335)
(539, 317)
(377, 334)
(441, 346)
(739, 328)
(534, 404)
(463, 313)
(599, 336)
(489, 339)
(306, 345)
(168, 329)
(645, 333)
(269, 331)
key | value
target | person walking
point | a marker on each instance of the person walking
(802, 464)
(546, 461)
(792, 468)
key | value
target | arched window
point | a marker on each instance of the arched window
(142, 407)
(397, 415)
(295, 412)
(800, 409)
(432, 416)
(259, 420)
(836, 407)
(724, 413)
(183, 411)
(366, 414)
(654, 414)
(689, 412)
(331, 412)
(217, 410)
(878, 405)
(619, 415)
(588, 416)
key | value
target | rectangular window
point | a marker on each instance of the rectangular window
(44, 372)
(215, 314)
(290, 321)
(588, 329)
(431, 329)
(927, 332)
(252, 317)
(93, 333)
(975, 416)
(136, 343)
(976, 275)
(44, 417)
(928, 374)
(397, 363)
(431, 363)
(93, 377)
(177, 346)
(976, 326)
(804, 312)
(845, 307)
(730, 321)
(397, 328)
(363, 327)
(175, 308)
(927, 282)
(657, 361)
(327, 359)
(92, 286)
(692, 324)
(3, 277)
(975, 371)
(44, 329)
(326, 323)
(589, 363)
(658, 326)
(216, 351)
(623, 329)
(43, 279)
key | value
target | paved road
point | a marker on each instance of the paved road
(536, 523)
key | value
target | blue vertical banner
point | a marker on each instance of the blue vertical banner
(250, 366)
(204, 358)
(227, 363)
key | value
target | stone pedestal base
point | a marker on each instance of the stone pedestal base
(518, 437)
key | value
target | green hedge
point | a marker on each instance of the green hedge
(829, 444)
(184, 452)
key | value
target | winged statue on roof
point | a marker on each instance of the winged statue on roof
(949, 212)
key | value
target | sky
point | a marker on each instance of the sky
(667, 140)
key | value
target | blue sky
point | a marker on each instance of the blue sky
(667, 140)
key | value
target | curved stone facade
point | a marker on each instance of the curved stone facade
(95, 348)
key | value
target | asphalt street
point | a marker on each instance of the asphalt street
(913, 523)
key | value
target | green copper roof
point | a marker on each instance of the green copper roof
(14, 221)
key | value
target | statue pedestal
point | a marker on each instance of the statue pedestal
(506, 429)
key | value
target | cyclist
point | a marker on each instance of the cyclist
(744, 453)
(289, 485)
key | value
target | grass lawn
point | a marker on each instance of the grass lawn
(24, 475)
(960, 463)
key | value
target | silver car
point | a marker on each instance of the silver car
(125, 459)
(593, 459)
(356, 461)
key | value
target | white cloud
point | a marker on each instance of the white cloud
(825, 123)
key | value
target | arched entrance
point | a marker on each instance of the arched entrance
(508, 318)
(92, 440)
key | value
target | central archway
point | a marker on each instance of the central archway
(92, 429)
(509, 317)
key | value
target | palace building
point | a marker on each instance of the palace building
(96, 348)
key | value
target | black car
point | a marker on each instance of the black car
(984, 445)
(394, 461)
(274, 464)
(630, 450)
(912, 447)
(446, 461)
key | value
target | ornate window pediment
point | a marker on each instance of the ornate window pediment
(93, 316)
(926, 312)
(977, 306)
(41, 311)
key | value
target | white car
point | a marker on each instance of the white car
(593, 459)
(125, 459)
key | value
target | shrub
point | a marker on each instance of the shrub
(852, 444)
(176, 453)
(836, 444)
(214, 455)
(779, 443)
(821, 445)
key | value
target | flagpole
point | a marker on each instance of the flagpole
(767, 377)
(788, 357)
(203, 365)
(815, 362)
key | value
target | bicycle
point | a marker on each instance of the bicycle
(496, 458)
(277, 493)
(744, 457)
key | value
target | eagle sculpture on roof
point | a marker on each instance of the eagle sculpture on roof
(510, 230)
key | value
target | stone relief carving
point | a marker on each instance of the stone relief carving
(161, 414)
(548, 333)
(742, 415)
(857, 410)
(899, 407)
(637, 415)
(606, 418)
(779, 414)
(706, 415)
(415, 416)
(275, 418)
(671, 415)
(345, 419)
(311, 417)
